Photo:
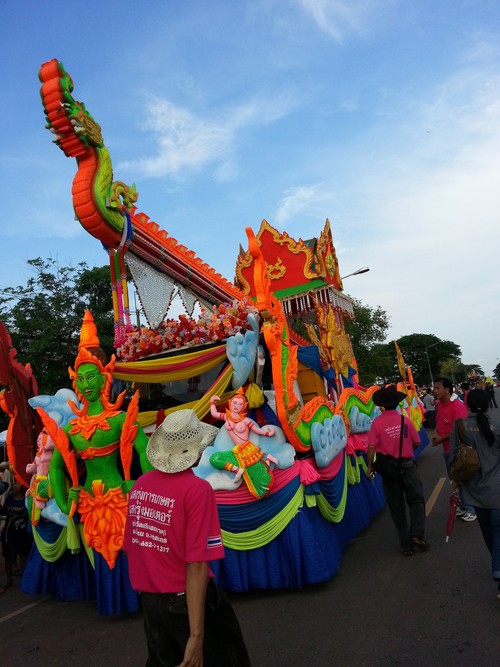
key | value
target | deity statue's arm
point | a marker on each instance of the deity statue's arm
(267, 431)
(213, 410)
(140, 444)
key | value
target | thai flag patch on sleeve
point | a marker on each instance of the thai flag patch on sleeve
(213, 542)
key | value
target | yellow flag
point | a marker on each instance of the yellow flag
(401, 362)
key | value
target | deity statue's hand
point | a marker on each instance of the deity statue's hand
(127, 485)
(214, 398)
(73, 496)
(272, 459)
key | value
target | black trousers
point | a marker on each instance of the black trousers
(430, 419)
(406, 491)
(166, 624)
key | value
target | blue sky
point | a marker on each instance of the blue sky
(380, 115)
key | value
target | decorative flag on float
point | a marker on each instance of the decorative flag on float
(401, 362)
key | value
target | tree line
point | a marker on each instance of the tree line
(426, 354)
(44, 317)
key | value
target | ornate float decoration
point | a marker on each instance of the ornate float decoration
(19, 385)
(292, 494)
(105, 208)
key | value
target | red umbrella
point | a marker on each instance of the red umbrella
(453, 502)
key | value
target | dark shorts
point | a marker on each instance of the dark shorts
(16, 541)
(430, 419)
(166, 624)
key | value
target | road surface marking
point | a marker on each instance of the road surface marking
(434, 495)
(23, 609)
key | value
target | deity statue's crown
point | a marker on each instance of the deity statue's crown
(88, 332)
(89, 351)
(241, 393)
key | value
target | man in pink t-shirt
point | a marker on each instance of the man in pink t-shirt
(447, 412)
(392, 438)
(171, 534)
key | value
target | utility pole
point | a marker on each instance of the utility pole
(428, 362)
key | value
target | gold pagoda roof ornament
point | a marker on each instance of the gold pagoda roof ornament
(302, 273)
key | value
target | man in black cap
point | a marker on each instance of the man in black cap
(393, 438)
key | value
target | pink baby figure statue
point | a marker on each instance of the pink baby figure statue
(38, 492)
(246, 459)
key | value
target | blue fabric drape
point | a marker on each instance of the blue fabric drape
(72, 577)
(307, 551)
(309, 356)
(424, 441)
(249, 516)
(332, 489)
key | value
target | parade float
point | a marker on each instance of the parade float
(287, 465)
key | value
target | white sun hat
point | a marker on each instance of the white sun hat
(179, 441)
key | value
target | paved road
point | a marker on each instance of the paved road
(436, 608)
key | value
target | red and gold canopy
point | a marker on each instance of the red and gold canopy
(302, 273)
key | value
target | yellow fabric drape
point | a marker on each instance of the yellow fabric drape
(201, 406)
(51, 551)
(89, 551)
(169, 369)
(147, 418)
(68, 539)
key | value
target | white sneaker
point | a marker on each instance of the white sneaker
(469, 516)
(460, 511)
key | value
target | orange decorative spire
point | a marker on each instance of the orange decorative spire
(89, 352)
(88, 332)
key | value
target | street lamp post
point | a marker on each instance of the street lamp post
(364, 269)
(428, 362)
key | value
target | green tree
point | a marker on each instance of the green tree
(367, 331)
(381, 365)
(425, 353)
(44, 317)
(496, 373)
(457, 371)
(453, 369)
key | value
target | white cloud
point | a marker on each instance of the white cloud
(432, 217)
(187, 143)
(339, 18)
(296, 200)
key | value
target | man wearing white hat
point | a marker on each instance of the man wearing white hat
(172, 533)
